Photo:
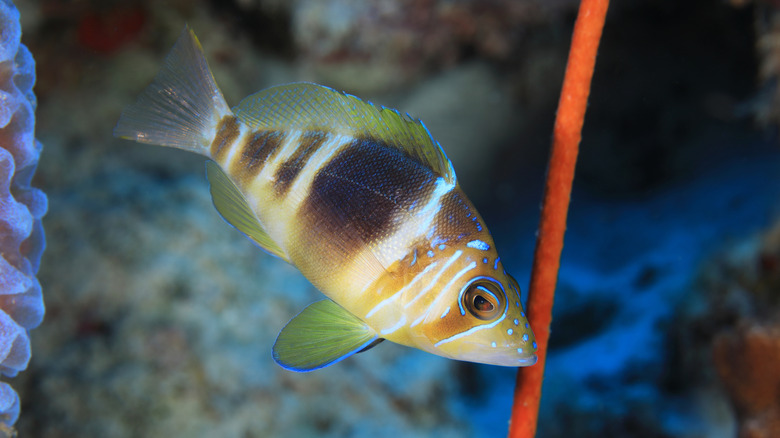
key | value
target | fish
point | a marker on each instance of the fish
(359, 198)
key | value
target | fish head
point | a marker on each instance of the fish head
(479, 319)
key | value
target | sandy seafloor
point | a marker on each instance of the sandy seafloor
(160, 317)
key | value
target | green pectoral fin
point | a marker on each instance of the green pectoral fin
(235, 209)
(322, 334)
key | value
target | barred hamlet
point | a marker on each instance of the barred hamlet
(360, 199)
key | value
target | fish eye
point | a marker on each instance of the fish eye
(482, 299)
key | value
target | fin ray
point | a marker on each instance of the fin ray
(321, 335)
(182, 105)
(310, 106)
(234, 208)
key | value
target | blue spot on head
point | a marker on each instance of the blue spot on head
(527, 326)
(478, 244)
(517, 304)
(534, 345)
(493, 344)
(520, 350)
(522, 314)
(509, 332)
(516, 322)
(525, 337)
(495, 264)
(442, 246)
(430, 253)
(485, 260)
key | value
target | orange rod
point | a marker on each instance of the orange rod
(560, 174)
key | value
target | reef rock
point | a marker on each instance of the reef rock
(747, 361)
(726, 340)
(379, 44)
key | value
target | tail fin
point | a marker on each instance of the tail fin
(181, 107)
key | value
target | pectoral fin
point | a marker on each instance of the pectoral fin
(322, 334)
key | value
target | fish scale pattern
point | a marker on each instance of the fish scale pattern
(21, 209)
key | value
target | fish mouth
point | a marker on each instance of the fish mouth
(500, 357)
(527, 361)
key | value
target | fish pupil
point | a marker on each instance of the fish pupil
(482, 304)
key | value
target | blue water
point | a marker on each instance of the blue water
(632, 263)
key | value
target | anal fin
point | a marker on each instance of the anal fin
(234, 208)
(321, 335)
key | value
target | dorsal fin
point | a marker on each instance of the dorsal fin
(314, 107)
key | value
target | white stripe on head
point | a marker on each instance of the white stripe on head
(443, 291)
(435, 279)
(402, 290)
(473, 329)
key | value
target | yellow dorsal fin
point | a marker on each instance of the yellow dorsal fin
(235, 209)
(309, 106)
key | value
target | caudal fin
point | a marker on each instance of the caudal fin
(181, 107)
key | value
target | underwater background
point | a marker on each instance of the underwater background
(160, 317)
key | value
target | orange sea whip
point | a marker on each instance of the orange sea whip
(552, 225)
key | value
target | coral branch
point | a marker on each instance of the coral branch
(560, 174)
(21, 209)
